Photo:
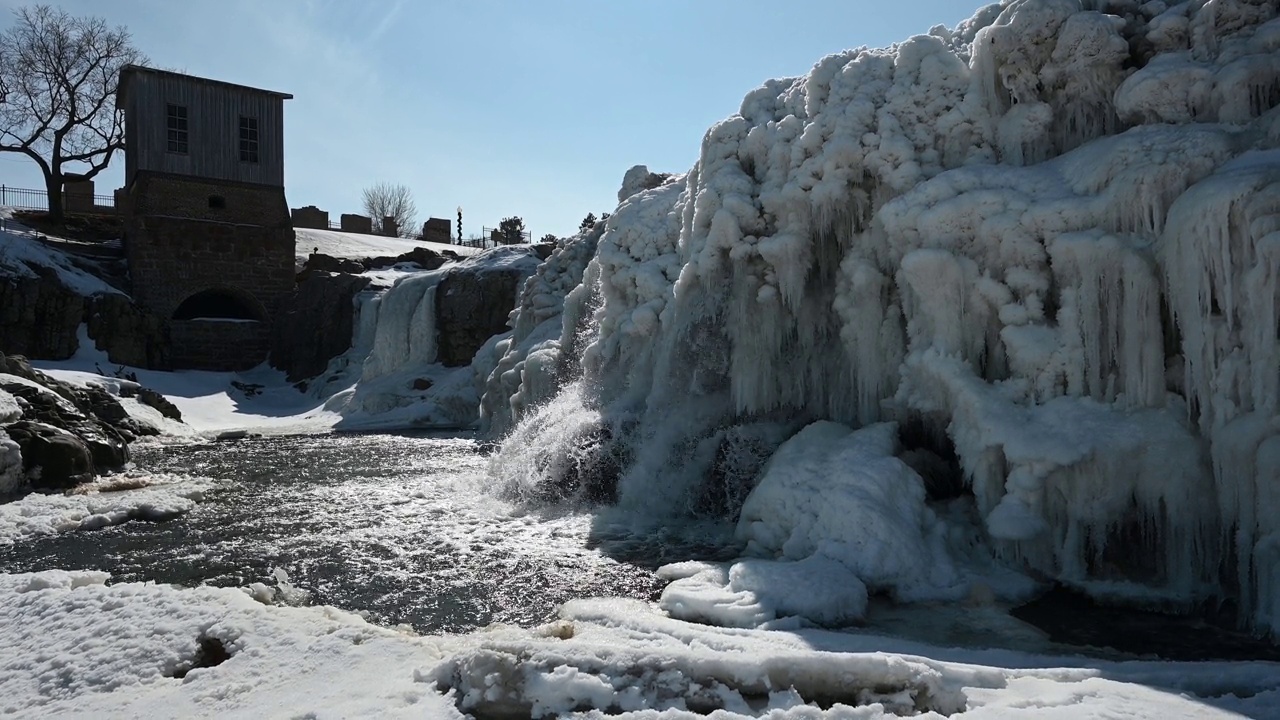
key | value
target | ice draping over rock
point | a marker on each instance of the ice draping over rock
(401, 381)
(843, 515)
(1049, 239)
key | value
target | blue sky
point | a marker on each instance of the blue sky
(523, 107)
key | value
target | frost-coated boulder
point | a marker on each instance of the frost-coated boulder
(841, 494)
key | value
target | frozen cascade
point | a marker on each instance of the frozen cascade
(392, 375)
(1045, 243)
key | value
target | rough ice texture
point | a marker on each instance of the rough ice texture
(392, 374)
(1049, 237)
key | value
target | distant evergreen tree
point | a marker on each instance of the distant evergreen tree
(512, 230)
(588, 222)
(549, 239)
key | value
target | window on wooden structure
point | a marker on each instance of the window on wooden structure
(248, 139)
(176, 122)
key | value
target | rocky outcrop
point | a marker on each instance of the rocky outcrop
(472, 305)
(319, 262)
(52, 458)
(127, 333)
(65, 434)
(39, 316)
(424, 258)
(315, 323)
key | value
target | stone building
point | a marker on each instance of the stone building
(207, 229)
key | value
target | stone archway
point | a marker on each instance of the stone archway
(220, 304)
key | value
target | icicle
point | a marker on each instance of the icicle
(1115, 307)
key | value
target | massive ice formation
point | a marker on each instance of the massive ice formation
(1046, 242)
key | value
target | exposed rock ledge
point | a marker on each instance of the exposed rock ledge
(55, 436)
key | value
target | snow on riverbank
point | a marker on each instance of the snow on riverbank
(80, 648)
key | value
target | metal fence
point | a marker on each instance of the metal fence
(38, 200)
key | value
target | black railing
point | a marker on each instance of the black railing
(38, 200)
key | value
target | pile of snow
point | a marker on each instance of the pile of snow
(78, 647)
(1050, 238)
(843, 515)
(107, 501)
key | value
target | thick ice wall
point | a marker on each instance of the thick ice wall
(525, 368)
(1062, 212)
(405, 331)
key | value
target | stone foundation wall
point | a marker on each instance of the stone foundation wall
(218, 345)
(186, 235)
(171, 259)
(437, 230)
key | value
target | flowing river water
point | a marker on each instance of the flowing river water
(395, 525)
(401, 527)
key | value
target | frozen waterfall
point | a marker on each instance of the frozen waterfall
(1045, 245)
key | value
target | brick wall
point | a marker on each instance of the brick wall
(356, 224)
(310, 217)
(203, 199)
(171, 259)
(212, 345)
(437, 230)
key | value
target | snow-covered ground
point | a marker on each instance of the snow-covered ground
(76, 647)
(355, 246)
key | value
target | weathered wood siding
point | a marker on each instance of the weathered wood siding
(213, 130)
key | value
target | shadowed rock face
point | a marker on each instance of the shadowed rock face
(40, 316)
(66, 434)
(315, 323)
(53, 458)
(471, 307)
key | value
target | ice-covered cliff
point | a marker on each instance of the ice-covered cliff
(1045, 243)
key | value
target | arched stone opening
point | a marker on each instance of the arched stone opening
(220, 304)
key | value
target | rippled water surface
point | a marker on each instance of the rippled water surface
(399, 526)
(402, 527)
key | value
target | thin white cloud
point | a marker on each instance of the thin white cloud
(384, 24)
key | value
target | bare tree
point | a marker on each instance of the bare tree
(58, 78)
(394, 201)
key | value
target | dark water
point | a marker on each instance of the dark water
(399, 526)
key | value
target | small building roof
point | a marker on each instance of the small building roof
(128, 71)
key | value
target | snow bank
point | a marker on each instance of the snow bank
(76, 647)
(356, 246)
(22, 256)
(1047, 239)
(107, 501)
